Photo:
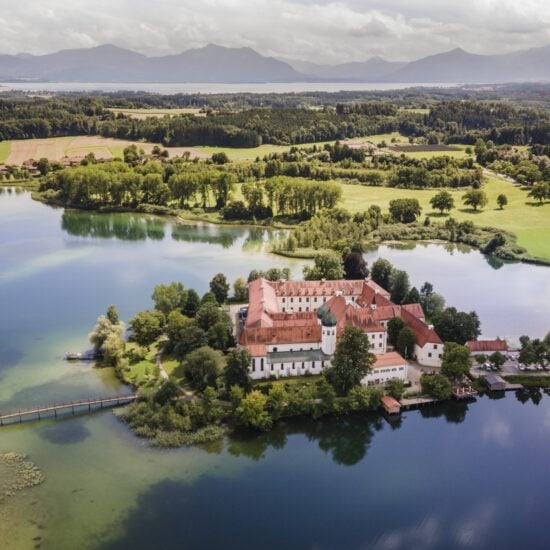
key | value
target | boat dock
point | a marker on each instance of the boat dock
(413, 402)
(57, 410)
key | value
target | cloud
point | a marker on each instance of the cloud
(315, 30)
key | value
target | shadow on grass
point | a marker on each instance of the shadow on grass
(536, 204)
(470, 211)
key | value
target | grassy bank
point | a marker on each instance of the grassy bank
(527, 220)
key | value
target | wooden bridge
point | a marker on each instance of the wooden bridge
(84, 406)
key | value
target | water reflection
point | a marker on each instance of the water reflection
(206, 234)
(108, 226)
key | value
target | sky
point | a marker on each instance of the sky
(313, 30)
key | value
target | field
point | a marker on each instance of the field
(141, 114)
(5, 148)
(530, 222)
(56, 148)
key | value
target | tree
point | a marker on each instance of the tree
(104, 327)
(443, 201)
(497, 359)
(400, 286)
(220, 288)
(395, 325)
(113, 350)
(43, 166)
(169, 297)
(202, 367)
(436, 385)
(175, 324)
(252, 412)
(412, 297)
(480, 358)
(220, 158)
(277, 400)
(207, 315)
(502, 200)
(456, 361)
(432, 303)
(395, 387)
(381, 273)
(192, 304)
(112, 315)
(352, 360)
(326, 266)
(540, 191)
(236, 372)
(146, 327)
(189, 339)
(406, 341)
(476, 198)
(405, 210)
(457, 326)
(240, 290)
(355, 266)
(219, 335)
(131, 155)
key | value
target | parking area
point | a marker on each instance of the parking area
(511, 366)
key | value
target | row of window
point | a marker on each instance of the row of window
(394, 369)
(281, 366)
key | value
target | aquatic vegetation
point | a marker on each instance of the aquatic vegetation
(17, 473)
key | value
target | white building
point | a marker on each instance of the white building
(292, 327)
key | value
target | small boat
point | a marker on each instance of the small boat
(81, 356)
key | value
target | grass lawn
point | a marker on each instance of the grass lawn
(291, 381)
(459, 154)
(142, 372)
(5, 148)
(530, 222)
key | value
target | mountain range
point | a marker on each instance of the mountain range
(213, 64)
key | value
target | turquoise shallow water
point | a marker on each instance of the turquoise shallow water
(434, 480)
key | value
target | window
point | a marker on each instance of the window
(274, 349)
(272, 366)
(262, 364)
(283, 309)
(430, 354)
(380, 345)
(440, 355)
(292, 300)
(293, 366)
(435, 346)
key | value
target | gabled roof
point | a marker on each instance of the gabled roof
(487, 345)
(390, 359)
(281, 335)
(262, 302)
(318, 288)
(422, 332)
(415, 309)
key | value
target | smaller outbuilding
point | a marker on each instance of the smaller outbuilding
(390, 405)
(487, 347)
(495, 382)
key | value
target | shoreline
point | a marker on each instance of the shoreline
(182, 217)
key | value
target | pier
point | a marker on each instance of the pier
(56, 410)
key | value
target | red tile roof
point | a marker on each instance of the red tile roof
(422, 332)
(487, 345)
(318, 288)
(282, 335)
(390, 359)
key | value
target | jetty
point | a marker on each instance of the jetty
(58, 410)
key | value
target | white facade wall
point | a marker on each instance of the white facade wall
(430, 355)
(294, 347)
(328, 342)
(379, 377)
(378, 341)
(296, 304)
(265, 369)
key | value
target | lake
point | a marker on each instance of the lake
(451, 476)
(213, 88)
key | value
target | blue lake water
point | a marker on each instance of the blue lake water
(452, 476)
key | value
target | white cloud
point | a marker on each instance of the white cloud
(316, 30)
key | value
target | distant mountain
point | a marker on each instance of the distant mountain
(372, 70)
(109, 63)
(460, 66)
(213, 64)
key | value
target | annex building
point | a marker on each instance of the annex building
(292, 327)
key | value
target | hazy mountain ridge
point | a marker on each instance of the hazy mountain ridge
(213, 64)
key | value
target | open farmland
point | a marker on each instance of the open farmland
(57, 148)
(142, 114)
(529, 221)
